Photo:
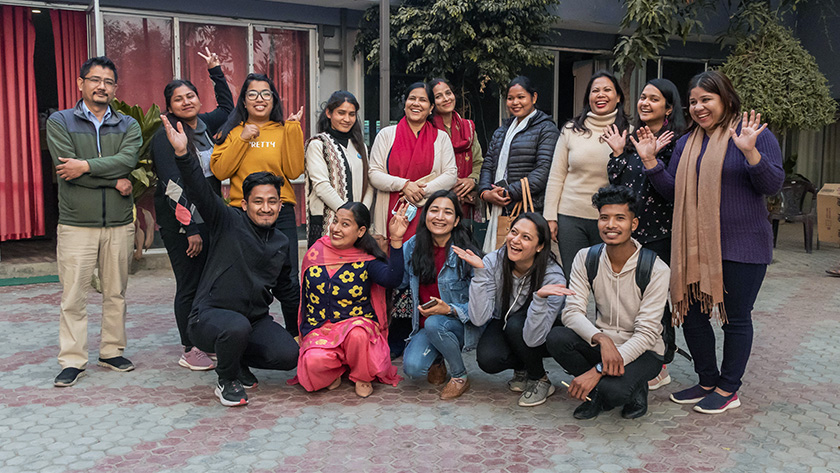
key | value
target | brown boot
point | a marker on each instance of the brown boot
(454, 388)
(437, 373)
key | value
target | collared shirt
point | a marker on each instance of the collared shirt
(96, 122)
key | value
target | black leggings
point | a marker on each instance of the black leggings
(577, 357)
(187, 274)
(237, 341)
(502, 347)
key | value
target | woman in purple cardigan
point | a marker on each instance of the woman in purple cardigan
(722, 241)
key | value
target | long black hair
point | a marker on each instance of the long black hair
(621, 120)
(366, 242)
(538, 269)
(356, 136)
(240, 113)
(422, 259)
(174, 119)
(676, 120)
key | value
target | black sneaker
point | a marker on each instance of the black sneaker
(589, 409)
(117, 363)
(68, 377)
(248, 380)
(231, 393)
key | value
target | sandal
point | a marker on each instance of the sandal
(833, 272)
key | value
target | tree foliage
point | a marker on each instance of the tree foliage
(775, 75)
(463, 40)
(655, 22)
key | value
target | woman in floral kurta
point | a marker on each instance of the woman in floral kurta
(342, 319)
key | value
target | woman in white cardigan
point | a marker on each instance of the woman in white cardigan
(336, 164)
(408, 161)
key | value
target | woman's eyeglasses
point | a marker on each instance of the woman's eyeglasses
(253, 94)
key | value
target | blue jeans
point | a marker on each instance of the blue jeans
(441, 335)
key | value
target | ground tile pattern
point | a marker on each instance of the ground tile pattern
(164, 418)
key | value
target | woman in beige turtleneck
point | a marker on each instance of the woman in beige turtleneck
(579, 168)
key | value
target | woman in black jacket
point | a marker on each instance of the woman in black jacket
(522, 147)
(181, 226)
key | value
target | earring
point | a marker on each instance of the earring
(665, 123)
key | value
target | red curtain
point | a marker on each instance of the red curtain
(71, 51)
(142, 49)
(229, 42)
(283, 55)
(21, 187)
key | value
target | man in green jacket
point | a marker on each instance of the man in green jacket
(94, 148)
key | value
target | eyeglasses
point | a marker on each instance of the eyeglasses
(265, 94)
(96, 80)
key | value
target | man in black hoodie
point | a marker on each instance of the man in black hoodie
(247, 267)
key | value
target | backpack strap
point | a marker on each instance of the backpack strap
(593, 256)
(644, 268)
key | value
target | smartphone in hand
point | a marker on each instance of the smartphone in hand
(429, 304)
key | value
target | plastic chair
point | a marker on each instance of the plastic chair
(795, 206)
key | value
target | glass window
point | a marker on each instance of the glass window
(283, 55)
(229, 42)
(141, 48)
(542, 78)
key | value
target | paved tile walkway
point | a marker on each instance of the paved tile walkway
(162, 417)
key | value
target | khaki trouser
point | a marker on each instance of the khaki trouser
(79, 250)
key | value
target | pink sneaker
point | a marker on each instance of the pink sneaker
(196, 360)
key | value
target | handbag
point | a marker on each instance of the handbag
(506, 221)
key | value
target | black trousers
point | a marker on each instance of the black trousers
(501, 347)
(187, 274)
(577, 357)
(662, 248)
(237, 341)
(287, 225)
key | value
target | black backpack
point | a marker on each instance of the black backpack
(644, 268)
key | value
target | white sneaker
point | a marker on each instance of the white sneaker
(662, 379)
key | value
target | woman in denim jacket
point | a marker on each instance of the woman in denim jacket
(440, 284)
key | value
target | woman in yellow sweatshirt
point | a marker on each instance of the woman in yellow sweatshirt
(256, 138)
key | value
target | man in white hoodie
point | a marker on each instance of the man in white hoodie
(613, 359)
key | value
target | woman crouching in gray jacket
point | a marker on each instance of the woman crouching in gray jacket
(518, 291)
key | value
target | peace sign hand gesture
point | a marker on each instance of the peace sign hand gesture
(211, 58)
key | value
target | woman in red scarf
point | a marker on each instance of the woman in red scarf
(342, 318)
(408, 162)
(462, 133)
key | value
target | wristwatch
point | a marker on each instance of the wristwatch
(599, 368)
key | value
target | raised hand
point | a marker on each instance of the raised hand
(177, 138)
(555, 290)
(645, 146)
(469, 257)
(249, 132)
(663, 140)
(295, 117)
(211, 58)
(398, 225)
(617, 140)
(751, 127)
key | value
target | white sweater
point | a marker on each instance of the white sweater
(384, 183)
(578, 170)
(321, 192)
(632, 322)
